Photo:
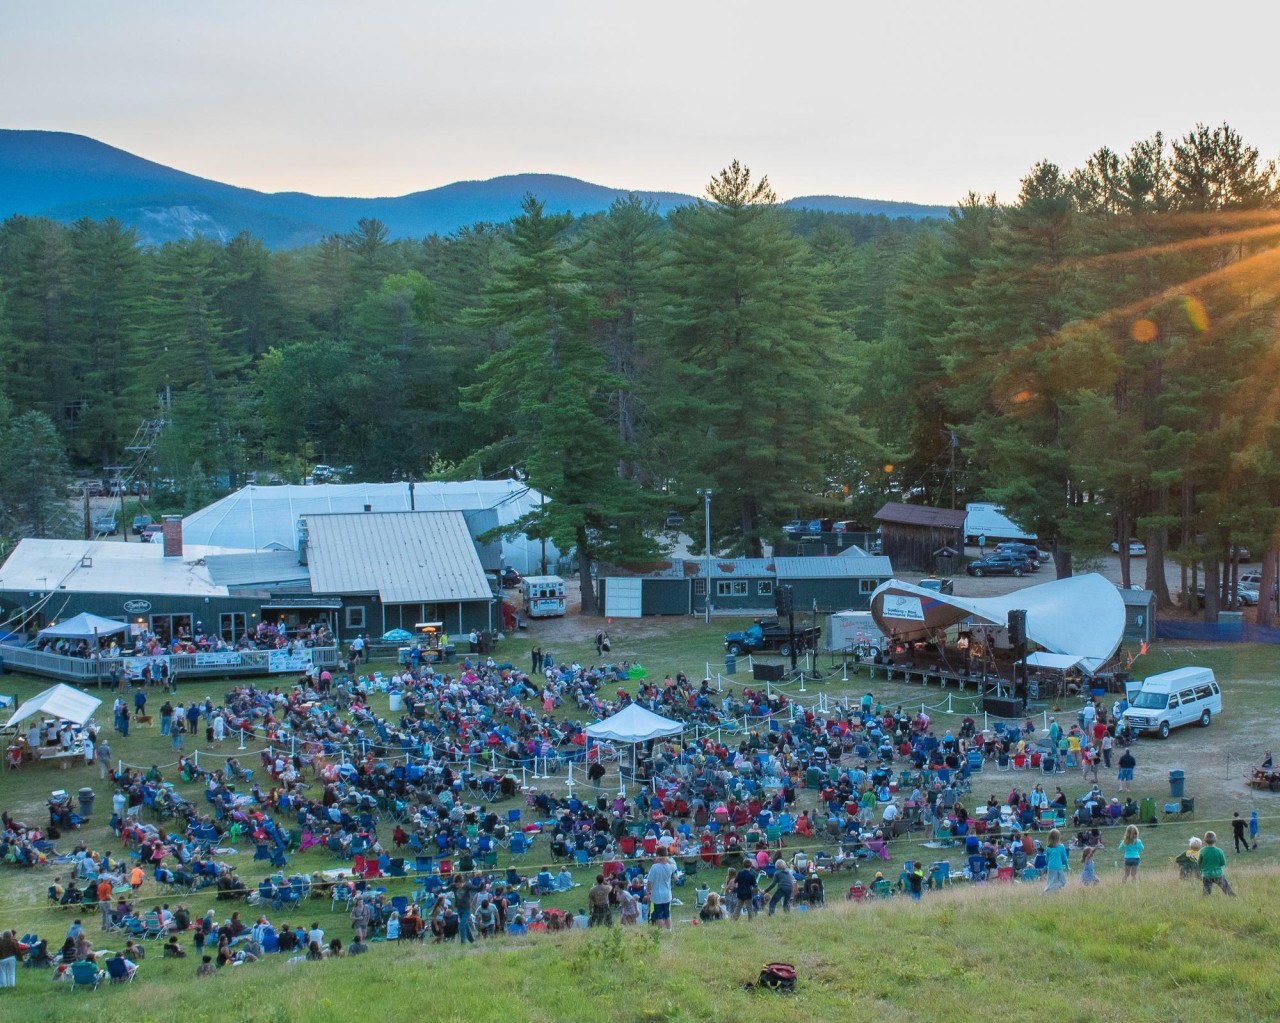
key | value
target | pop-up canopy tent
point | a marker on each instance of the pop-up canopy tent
(1082, 616)
(632, 725)
(60, 702)
(84, 626)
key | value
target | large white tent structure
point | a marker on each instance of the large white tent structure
(62, 702)
(266, 518)
(84, 626)
(1082, 616)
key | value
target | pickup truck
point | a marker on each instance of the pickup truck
(769, 634)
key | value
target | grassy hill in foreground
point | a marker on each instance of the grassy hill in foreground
(1155, 951)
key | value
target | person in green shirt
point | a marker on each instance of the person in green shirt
(1212, 860)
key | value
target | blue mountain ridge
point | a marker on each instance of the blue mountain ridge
(64, 177)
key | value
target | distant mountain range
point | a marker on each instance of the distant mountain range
(65, 177)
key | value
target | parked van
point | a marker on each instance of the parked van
(544, 595)
(1174, 698)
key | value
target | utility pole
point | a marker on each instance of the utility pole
(705, 494)
(88, 522)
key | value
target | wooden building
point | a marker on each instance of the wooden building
(912, 536)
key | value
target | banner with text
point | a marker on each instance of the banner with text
(284, 660)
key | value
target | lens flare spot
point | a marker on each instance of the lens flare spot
(1023, 396)
(1143, 331)
(1197, 316)
(888, 467)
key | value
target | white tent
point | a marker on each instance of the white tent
(61, 702)
(84, 626)
(634, 724)
(266, 518)
(1082, 615)
(1058, 662)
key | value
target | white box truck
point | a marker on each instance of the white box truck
(989, 520)
(1173, 698)
(855, 632)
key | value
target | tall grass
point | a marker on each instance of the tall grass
(1156, 951)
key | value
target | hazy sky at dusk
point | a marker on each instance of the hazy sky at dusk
(911, 101)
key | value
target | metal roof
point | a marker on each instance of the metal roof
(920, 515)
(104, 566)
(256, 568)
(266, 518)
(836, 567)
(842, 567)
(404, 557)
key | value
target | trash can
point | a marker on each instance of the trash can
(730, 664)
(397, 702)
(1177, 783)
(449, 653)
(85, 797)
(1147, 811)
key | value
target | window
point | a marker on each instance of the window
(868, 585)
(699, 587)
(731, 588)
(765, 587)
(232, 625)
(355, 617)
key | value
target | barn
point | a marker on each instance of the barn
(913, 535)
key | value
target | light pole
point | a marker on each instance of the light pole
(705, 494)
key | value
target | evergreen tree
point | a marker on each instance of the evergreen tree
(555, 385)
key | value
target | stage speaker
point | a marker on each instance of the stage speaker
(1017, 629)
(768, 672)
(784, 600)
(1003, 706)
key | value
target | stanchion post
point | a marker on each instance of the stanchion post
(242, 738)
(949, 703)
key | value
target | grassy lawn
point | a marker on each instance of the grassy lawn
(1141, 953)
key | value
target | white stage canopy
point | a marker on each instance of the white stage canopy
(1058, 662)
(1082, 616)
(634, 724)
(84, 626)
(62, 702)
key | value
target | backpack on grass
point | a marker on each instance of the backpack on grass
(778, 977)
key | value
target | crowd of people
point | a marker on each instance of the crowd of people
(425, 784)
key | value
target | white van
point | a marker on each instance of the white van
(1174, 698)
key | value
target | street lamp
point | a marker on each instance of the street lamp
(705, 494)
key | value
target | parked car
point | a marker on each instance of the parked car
(151, 531)
(510, 578)
(1137, 549)
(674, 520)
(106, 525)
(1242, 554)
(139, 521)
(1246, 596)
(1028, 550)
(999, 564)
(794, 526)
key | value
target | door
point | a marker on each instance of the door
(622, 598)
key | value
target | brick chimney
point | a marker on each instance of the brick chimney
(172, 530)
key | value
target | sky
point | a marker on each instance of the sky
(918, 101)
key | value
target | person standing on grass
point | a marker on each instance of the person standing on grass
(1131, 848)
(1253, 829)
(1055, 862)
(658, 884)
(1212, 862)
(1088, 871)
(10, 954)
(1238, 826)
(1124, 777)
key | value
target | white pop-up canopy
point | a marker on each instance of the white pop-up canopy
(634, 724)
(1082, 615)
(84, 626)
(62, 702)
